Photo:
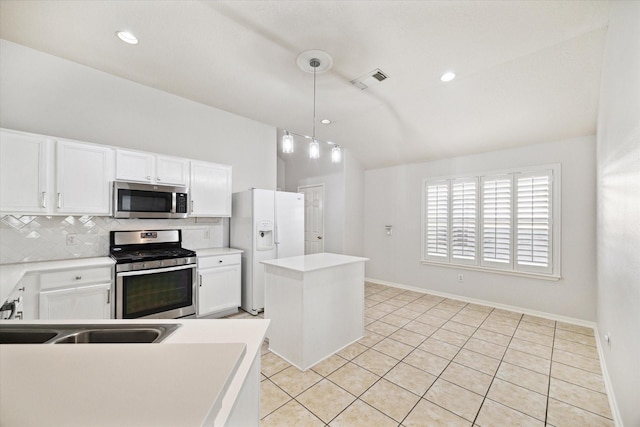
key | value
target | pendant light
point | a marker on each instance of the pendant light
(336, 154)
(313, 61)
(314, 147)
(287, 143)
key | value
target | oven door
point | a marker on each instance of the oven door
(162, 293)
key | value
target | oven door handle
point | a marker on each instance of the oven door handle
(155, 270)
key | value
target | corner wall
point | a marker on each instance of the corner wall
(393, 197)
(619, 209)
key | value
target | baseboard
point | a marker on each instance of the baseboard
(551, 316)
(615, 411)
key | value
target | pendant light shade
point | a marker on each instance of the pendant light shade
(314, 150)
(336, 154)
(287, 143)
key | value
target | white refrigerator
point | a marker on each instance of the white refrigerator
(265, 225)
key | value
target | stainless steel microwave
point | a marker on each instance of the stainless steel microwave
(136, 200)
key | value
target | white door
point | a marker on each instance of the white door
(210, 190)
(86, 302)
(135, 166)
(83, 178)
(23, 173)
(219, 289)
(172, 170)
(313, 218)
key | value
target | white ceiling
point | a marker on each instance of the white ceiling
(528, 71)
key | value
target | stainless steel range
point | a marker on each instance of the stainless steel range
(155, 275)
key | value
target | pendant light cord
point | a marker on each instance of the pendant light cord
(314, 63)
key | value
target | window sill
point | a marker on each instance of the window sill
(548, 277)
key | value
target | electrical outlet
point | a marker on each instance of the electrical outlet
(72, 239)
(460, 277)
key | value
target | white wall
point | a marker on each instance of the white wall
(353, 205)
(45, 94)
(619, 208)
(393, 197)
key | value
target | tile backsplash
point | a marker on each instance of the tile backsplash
(42, 238)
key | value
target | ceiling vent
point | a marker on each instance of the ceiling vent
(373, 77)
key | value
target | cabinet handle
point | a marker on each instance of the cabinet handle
(78, 277)
(59, 200)
(191, 205)
(44, 199)
(108, 296)
(148, 178)
(200, 279)
(158, 178)
(220, 261)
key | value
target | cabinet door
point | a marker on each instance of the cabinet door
(172, 170)
(23, 173)
(83, 178)
(219, 289)
(86, 302)
(210, 189)
(135, 166)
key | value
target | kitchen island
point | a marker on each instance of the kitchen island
(315, 304)
(206, 373)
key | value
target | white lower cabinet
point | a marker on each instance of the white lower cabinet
(84, 302)
(79, 293)
(218, 284)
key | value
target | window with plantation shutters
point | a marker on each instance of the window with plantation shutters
(497, 221)
(533, 221)
(437, 229)
(463, 220)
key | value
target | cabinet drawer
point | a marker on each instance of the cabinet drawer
(218, 261)
(75, 277)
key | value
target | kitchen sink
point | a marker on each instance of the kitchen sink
(25, 337)
(85, 333)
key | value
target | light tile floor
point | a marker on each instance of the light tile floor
(433, 361)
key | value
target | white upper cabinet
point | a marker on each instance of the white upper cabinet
(84, 173)
(42, 175)
(210, 190)
(148, 167)
(34, 181)
(24, 164)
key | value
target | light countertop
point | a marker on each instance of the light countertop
(217, 251)
(306, 263)
(192, 378)
(11, 274)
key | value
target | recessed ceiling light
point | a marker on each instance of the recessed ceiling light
(325, 121)
(448, 76)
(127, 37)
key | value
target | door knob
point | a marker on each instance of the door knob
(319, 237)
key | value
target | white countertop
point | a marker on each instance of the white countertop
(217, 251)
(306, 263)
(10, 274)
(193, 378)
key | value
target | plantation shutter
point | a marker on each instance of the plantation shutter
(533, 212)
(497, 220)
(463, 220)
(437, 230)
